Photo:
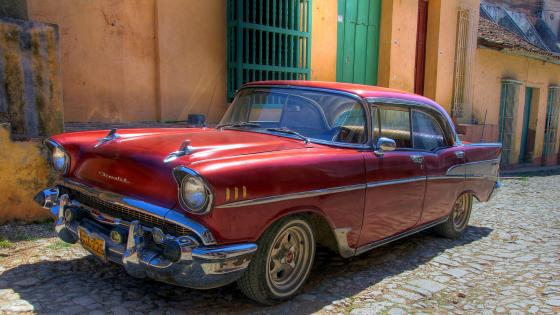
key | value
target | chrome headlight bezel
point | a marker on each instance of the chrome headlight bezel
(182, 176)
(55, 148)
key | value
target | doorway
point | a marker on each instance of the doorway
(421, 35)
(358, 41)
(529, 127)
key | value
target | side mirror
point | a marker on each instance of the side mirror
(385, 145)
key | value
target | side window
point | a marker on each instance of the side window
(427, 132)
(395, 124)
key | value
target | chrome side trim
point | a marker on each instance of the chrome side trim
(370, 246)
(144, 207)
(318, 192)
(477, 170)
(484, 144)
(396, 181)
(446, 177)
(298, 195)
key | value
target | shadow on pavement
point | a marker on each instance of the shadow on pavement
(85, 284)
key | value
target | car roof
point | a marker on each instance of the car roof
(364, 91)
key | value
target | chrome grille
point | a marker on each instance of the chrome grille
(128, 214)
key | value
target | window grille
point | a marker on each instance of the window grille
(267, 40)
(551, 122)
(16, 9)
(508, 107)
(464, 56)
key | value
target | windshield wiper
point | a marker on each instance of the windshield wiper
(291, 132)
(239, 124)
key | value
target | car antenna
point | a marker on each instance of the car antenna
(483, 125)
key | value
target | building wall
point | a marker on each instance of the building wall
(155, 59)
(491, 67)
(107, 53)
(324, 40)
(397, 44)
(440, 47)
(192, 58)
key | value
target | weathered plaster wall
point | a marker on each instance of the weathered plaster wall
(324, 40)
(23, 172)
(30, 89)
(397, 46)
(108, 57)
(491, 67)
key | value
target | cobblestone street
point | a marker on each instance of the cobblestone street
(508, 261)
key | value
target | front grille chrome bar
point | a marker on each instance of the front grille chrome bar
(131, 208)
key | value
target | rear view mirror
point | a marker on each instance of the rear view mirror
(385, 145)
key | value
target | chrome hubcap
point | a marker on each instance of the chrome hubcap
(288, 260)
(461, 211)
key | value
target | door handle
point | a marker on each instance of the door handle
(418, 159)
(460, 154)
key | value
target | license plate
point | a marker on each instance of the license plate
(93, 244)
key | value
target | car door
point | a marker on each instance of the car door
(396, 180)
(433, 137)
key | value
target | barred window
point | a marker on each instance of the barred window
(267, 40)
(551, 122)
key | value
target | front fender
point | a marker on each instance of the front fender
(252, 192)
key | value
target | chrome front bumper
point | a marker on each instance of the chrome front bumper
(144, 251)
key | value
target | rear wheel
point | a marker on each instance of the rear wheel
(282, 263)
(458, 218)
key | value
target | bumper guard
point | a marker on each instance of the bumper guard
(147, 251)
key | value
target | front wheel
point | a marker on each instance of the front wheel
(282, 263)
(458, 218)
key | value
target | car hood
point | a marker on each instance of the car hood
(133, 164)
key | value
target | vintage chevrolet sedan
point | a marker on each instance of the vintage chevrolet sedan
(292, 165)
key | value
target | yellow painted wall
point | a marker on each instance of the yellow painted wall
(324, 40)
(107, 55)
(24, 172)
(397, 44)
(491, 67)
(192, 58)
(440, 47)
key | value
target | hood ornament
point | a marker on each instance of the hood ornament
(112, 135)
(185, 149)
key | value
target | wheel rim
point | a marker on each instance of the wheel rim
(461, 212)
(289, 259)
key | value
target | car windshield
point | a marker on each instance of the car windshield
(298, 113)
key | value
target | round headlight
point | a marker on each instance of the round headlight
(59, 160)
(194, 194)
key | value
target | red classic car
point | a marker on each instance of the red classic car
(292, 164)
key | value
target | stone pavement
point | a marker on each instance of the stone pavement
(508, 261)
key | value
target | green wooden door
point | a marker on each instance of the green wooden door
(523, 158)
(358, 41)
